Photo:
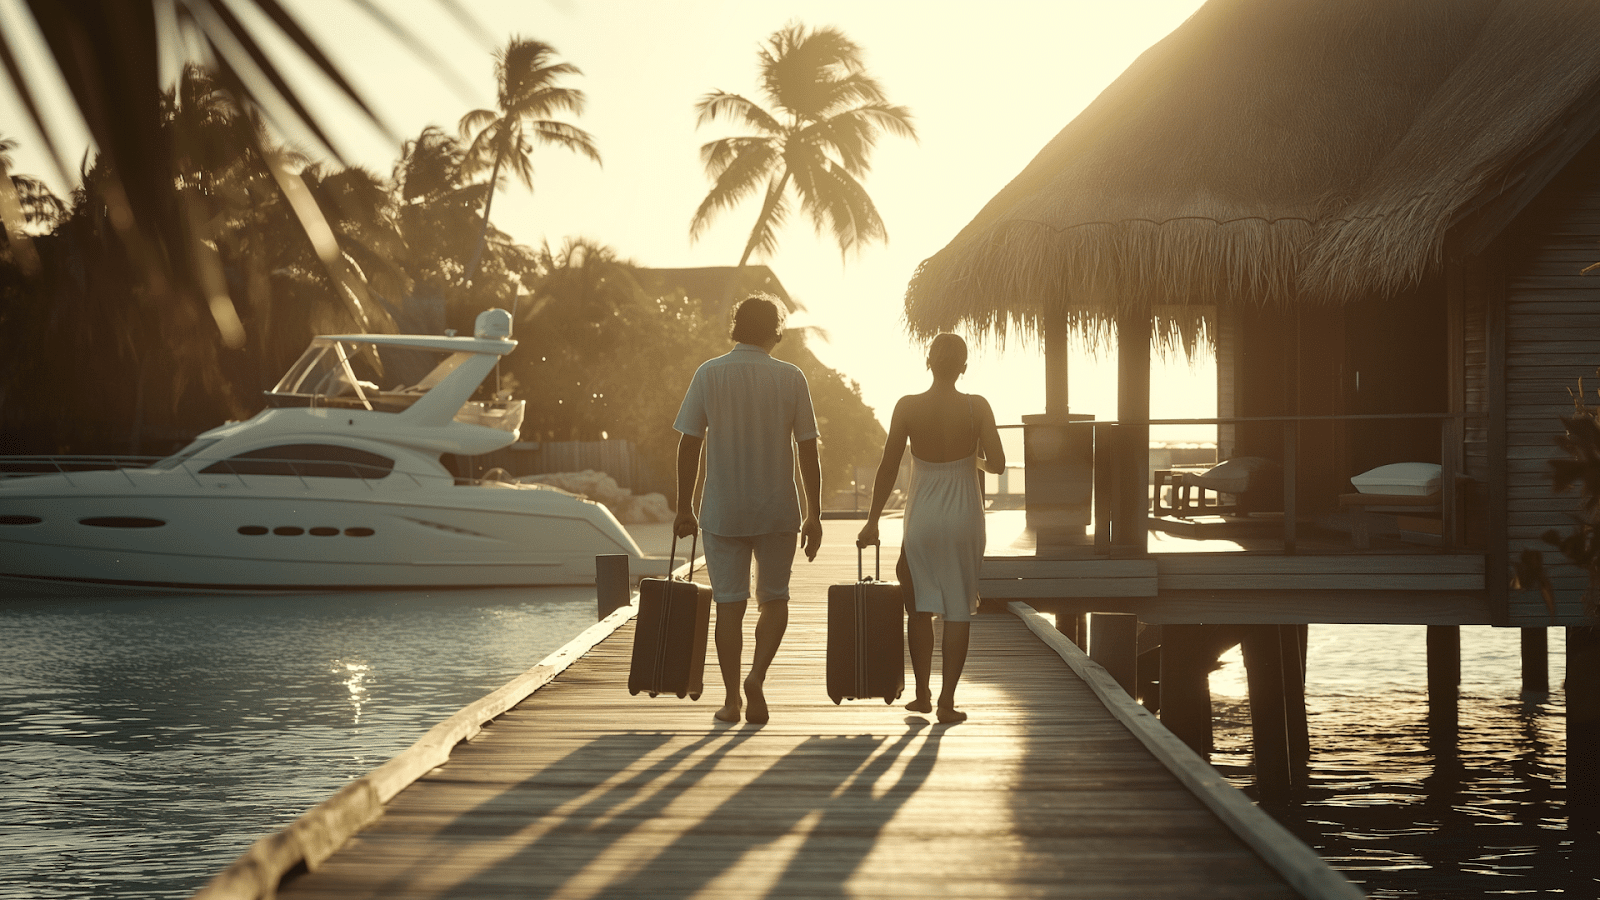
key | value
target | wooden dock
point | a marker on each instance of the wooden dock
(1058, 786)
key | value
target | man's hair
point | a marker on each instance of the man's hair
(758, 319)
(947, 355)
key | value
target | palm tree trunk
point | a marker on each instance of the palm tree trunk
(766, 211)
(483, 231)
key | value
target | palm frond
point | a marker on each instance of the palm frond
(839, 206)
(723, 105)
(774, 213)
(718, 155)
(741, 177)
(569, 137)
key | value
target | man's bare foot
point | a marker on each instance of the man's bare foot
(757, 712)
(729, 713)
(949, 715)
(921, 704)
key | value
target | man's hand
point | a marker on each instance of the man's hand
(868, 536)
(685, 524)
(811, 537)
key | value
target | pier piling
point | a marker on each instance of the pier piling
(610, 583)
(1535, 665)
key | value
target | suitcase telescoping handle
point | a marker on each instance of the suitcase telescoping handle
(694, 546)
(877, 563)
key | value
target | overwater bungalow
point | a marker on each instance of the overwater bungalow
(1376, 214)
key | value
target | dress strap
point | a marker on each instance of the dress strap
(972, 422)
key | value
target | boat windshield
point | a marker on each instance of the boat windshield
(363, 375)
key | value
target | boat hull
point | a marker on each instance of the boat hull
(222, 539)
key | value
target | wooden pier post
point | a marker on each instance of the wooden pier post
(1275, 671)
(1583, 727)
(610, 583)
(1186, 659)
(1535, 665)
(1444, 679)
(1114, 644)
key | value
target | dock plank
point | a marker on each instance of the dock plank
(581, 791)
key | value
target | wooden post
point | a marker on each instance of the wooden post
(610, 583)
(1583, 727)
(1075, 626)
(1114, 644)
(1280, 742)
(1186, 660)
(1149, 667)
(1131, 530)
(1535, 665)
(1444, 679)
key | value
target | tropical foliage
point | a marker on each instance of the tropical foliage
(96, 357)
(526, 96)
(826, 114)
(1580, 441)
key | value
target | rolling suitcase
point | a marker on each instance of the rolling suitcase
(669, 637)
(866, 637)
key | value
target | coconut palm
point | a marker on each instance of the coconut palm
(112, 57)
(827, 115)
(527, 95)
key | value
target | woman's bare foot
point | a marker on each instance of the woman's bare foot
(949, 715)
(923, 704)
(757, 712)
(729, 713)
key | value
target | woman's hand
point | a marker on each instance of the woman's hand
(868, 536)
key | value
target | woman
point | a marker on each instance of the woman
(952, 435)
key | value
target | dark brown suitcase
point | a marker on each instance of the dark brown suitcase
(866, 637)
(669, 636)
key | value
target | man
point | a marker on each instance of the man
(751, 412)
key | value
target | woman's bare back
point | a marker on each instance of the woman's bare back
(942, 425)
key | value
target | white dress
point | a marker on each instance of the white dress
(945, 536)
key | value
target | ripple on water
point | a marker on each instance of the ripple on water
(149, 739)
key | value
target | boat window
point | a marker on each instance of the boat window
(188, 452)
(361, 374)
(307, 460)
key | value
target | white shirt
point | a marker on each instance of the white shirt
(750, 409)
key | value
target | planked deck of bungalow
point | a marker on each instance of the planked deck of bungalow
(1058, 786)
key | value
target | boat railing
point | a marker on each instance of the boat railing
(25, 466)
(195, 466)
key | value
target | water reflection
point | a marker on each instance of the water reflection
(1457, 807)
(149, 739)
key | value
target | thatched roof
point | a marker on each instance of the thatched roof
(1277, 152)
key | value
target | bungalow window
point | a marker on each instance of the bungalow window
(305, 460)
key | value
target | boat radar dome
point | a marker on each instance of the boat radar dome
(492, 325)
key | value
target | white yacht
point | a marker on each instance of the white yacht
(337, 484)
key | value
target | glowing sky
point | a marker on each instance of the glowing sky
(989, 84)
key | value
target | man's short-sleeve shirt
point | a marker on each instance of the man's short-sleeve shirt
(750, 409)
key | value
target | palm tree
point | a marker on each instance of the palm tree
(527, 95)
(112, 57)
(828, 115)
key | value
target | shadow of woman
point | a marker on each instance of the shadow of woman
(830, 781)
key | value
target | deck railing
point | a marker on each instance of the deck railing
(1123, 488)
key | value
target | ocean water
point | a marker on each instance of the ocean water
(1406, 812)
(145, 741)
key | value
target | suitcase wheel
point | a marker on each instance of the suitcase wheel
(653, 693)
(632, 692)
(889, 701)
(694, 696)
(835, 698)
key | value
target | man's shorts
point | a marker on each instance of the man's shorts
(728, 565)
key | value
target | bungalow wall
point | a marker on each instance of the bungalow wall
(1366, 358)
(1551, 339)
